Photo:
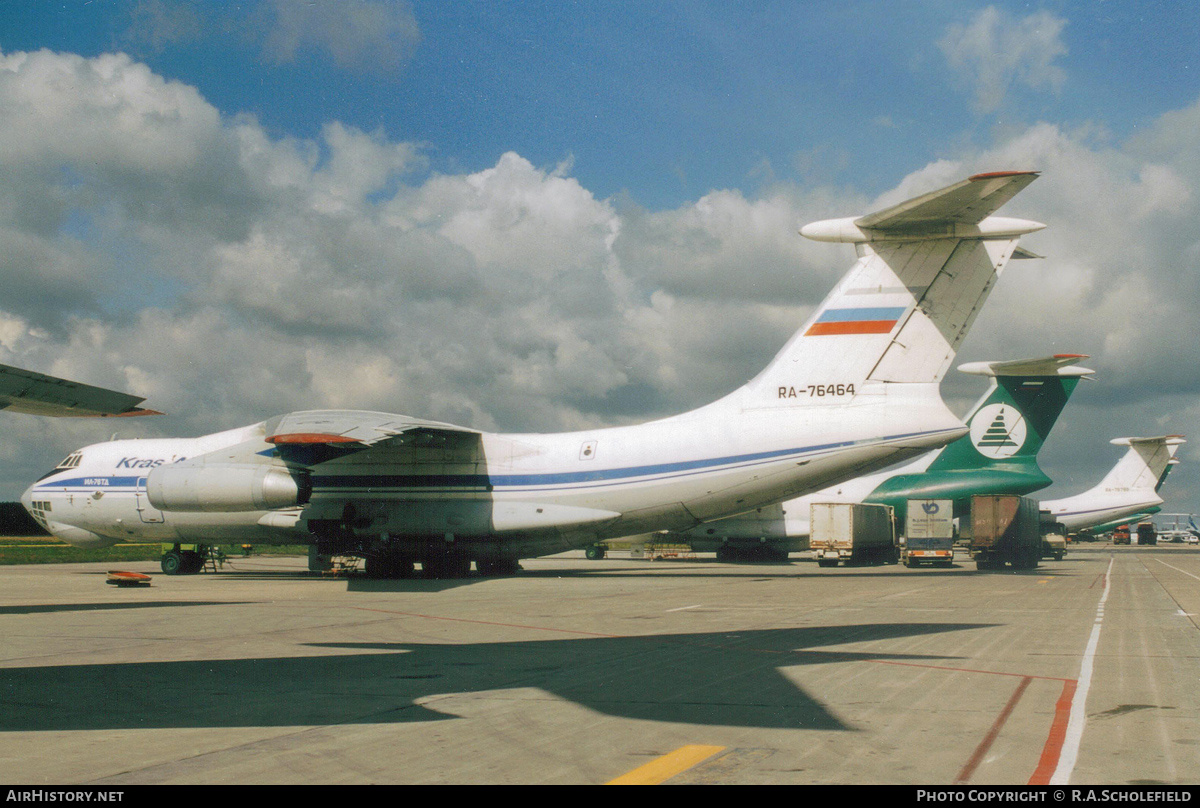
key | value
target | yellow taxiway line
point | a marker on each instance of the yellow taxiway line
(667, 766)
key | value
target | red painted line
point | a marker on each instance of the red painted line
(1099, 579)
(1051, 750)
(1058, 733)
(989, 739)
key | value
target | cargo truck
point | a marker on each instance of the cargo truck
(852, 532)
(1054, 537)
(928, 533)
(1146, 533)
(1005, 530)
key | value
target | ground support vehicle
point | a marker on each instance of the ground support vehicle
(928, 533)
(1005, 530)
(1054, 537)
(853, 533)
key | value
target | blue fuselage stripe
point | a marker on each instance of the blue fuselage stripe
(603, 477)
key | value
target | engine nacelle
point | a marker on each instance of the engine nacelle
(226, 487)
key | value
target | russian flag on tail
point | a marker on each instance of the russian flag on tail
(867, 320)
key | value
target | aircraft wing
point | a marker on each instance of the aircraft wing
(357, 429)
(38, 394)
(967, 202)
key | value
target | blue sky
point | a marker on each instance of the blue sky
(663, 100)
(545, 215)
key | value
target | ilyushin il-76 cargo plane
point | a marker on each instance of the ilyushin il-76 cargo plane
(854, 390)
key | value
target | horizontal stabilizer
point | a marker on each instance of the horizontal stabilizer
(1057, 365)
(1166, 440)
(38, 394)
(962, 210)
(967, 202)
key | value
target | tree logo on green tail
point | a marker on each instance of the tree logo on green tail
(998, 431)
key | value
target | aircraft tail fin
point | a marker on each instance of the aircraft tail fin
(924, 269)
(1011, 421)
(1145, 464)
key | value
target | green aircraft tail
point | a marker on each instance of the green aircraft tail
(1008, 427)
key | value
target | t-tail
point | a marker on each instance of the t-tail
(1130, 487)
(924, 270)
(1008, 427)
(1014, 417)
(1144, 466)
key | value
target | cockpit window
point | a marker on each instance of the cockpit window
(70, 461)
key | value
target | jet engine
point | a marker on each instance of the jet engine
(226, 487)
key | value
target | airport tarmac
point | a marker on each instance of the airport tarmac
(1084, 671)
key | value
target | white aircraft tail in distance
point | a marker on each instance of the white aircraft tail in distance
(854, 390)
(1129, 489)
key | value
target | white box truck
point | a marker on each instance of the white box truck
(852, 532)
(928, 533)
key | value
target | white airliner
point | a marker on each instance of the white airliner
(854, 390)
(1129, 489)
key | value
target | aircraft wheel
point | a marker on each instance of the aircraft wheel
(377, 565)
(446, 565)
(596, 552)
(498, 567)
(172, 563)
(193, 562)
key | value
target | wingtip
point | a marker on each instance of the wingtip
(993, 175)
(134, 413)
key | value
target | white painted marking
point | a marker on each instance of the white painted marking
(683, 608)
(1185, 572)
(1078, 718)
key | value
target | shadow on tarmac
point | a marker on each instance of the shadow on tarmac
(725, 678)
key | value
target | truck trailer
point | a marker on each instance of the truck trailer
(1005, 530)
(852, 532)
(928, 533)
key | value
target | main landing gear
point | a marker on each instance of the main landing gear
(187, 559)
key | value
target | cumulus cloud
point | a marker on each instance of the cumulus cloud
(156, 246)
(994, 52)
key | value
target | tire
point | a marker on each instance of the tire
(172, 563)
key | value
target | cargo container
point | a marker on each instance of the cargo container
(1005, 530)
(852, 532)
